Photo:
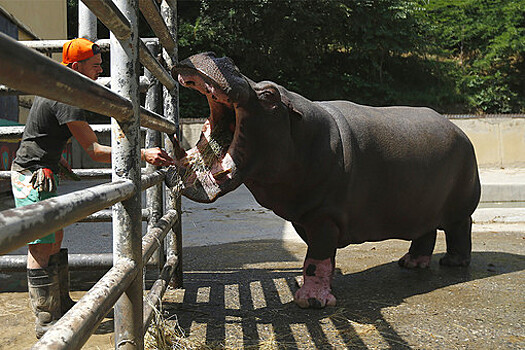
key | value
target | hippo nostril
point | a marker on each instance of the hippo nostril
(314, 303)
(214, 97)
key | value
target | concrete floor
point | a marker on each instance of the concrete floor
(240, 267)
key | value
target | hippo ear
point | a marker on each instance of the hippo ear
(268, 95)
(292, 109)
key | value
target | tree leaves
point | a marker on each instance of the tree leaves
(452, 55)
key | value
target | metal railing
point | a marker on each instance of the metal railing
(23, 70)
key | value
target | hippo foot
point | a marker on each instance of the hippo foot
(454, 260)
(311, 295)
(410, 262)
(315, 291)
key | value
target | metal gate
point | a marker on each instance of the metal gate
(24, 70)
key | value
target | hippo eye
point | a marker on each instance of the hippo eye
(267, 94)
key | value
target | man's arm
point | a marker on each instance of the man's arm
(88, 140)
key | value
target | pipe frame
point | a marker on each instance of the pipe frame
(125, 160)
(75, 328)
(25, 224)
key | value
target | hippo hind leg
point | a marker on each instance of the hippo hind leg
(459, 243)
(420, 252)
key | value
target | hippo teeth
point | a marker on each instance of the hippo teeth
(208, 169)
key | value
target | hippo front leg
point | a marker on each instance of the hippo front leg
(318, 268)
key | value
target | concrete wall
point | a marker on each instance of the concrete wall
(45, 19)
(499, 142)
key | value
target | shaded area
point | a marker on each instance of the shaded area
(240, 295)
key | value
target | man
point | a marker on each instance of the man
(34, 178)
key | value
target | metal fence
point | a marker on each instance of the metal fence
(23, 70)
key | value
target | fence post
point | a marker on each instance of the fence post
(171, 112)
(87, 23)
(154, 198)
(127, 225)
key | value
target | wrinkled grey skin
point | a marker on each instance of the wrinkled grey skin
(341, 172)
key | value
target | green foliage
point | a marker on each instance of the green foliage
(486, 40)
(452, 55)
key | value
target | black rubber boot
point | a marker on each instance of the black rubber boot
(66, 302)
(44, 296)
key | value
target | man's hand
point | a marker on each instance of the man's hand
(43, 180)
(157, 156)
(66, 171)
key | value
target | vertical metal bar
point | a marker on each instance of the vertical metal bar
(171, 112)
(127, 226)
(87, 23)
(154, 198)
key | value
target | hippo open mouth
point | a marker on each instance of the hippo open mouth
(211, 167)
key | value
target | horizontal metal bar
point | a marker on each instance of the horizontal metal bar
(152, 179)
(151, 11)
(55, 46)
(154, 297)
(77, 325)
(7, 91)
(76, 262)
(25, 224)
(144, 83)
(27, 70)
(152, 239)
(14, 133)
(92, 174)
(11, 133)
(105, 174)
(106, 215)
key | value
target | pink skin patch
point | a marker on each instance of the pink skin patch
(409, 262)
(316, 289)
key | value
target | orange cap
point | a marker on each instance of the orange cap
(77, 50)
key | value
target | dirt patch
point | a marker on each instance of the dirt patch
(17, 320)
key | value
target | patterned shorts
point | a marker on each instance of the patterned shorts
(25, 194)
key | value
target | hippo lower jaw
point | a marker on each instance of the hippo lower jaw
(204, 182)
(209, 170)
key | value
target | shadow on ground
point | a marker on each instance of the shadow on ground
(241, 295)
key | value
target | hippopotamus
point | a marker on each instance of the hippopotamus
(342, 173)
